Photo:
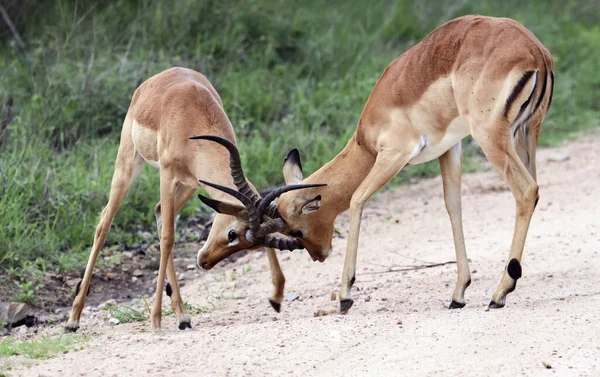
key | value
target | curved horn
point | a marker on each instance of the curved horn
(235, 164)
(282, 243)
(252, 213)
(272, 226)
(266, 201)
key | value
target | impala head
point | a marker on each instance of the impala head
(253, 223)
(300, 211)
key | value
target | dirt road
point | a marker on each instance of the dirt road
(399, 325)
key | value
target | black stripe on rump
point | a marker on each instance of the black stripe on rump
(517, 90)
(551, 88)
(543, 93)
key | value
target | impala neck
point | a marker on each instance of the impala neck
(343, 175)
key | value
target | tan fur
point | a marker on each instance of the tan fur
(165, 111)
(461, 75)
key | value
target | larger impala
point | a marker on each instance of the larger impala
(487, 77)
(166, 110)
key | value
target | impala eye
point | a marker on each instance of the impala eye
(296, 233)
(231, 236)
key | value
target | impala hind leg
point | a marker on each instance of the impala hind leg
(501, 152)
(388, 163)
(277, 278)
(128, 166)
(451, 167)
(182, 195)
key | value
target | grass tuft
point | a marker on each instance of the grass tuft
(43, 348)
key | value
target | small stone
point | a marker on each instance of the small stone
(292, 297)
(128, 254)
(15, 313)
(134, 279)
(22, 330)
(191, 267)
(113, 321)
(109, 275)
(399, 322)
(382, 309)
(333, 296)
(546, 365)
(368, 298)
(137, 272)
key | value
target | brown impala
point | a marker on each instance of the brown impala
(166, 110)
(482, 76)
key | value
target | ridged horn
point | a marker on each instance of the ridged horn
(282, 243)
(252, 214)
(235, 164)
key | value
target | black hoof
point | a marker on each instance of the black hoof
(275, 305)
(69, 329)
(185, 325)
(494, 305)
(345, 305)
(456, 305)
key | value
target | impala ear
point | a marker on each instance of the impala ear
(292, 168)
(225, 208)
(311, 205)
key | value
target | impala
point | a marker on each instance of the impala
(165, 113)
(482, 76)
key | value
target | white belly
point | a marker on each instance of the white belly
(455, 132)
(144, 140)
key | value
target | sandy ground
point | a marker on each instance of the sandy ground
(400, 324)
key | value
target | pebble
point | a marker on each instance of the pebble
(114, 321)
(191, 266)
(137, 272)
(22, 330)
(292, 297)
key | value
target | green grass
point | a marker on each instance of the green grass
(43, 348)
(290, 75)
(128, 314)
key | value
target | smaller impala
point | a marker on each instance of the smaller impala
(482, 76)
(165, 112)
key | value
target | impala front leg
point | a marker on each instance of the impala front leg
(167, 239)
(388, 163)
(451, 167)
(277, 278)
(182, 195)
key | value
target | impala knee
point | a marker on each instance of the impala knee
(167, 242)
(528, 200)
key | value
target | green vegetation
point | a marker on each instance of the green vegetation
(127, 314)
(43, 348)
(291, 74)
